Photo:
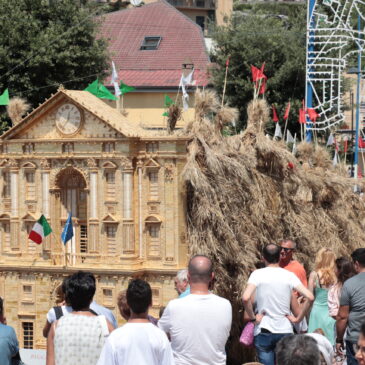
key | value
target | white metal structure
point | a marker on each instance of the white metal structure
(332, 38)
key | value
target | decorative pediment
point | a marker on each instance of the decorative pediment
(153, 218)
(151, 164)
(4, 217)
(98, 120)
(110, 219)
(29, 218)
(29, 165)
(109, 165)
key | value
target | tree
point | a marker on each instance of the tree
(47, 43)
(257, 34)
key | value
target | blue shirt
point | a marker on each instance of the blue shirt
(8, 344)
(99, 309)
(185, 293)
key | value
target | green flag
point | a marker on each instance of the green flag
(98, 89)
(124, 88)
(165, 114)
(168, 101)
(4, 98)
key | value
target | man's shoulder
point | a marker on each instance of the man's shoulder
(354, 281)
(129, 328)
(6, 330)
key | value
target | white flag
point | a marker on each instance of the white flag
(335, 159)
(117, 91)
(278, 132)
(294, 150)
(289, 137)
(185, 81)
(330, 140)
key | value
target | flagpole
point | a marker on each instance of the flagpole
(63, 249)
(286, 125)
(225, 82)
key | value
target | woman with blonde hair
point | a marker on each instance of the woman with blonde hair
(320, 281)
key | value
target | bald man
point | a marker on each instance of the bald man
(198, 324)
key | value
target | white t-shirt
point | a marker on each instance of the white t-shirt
(274, 287)
(199, 327)
(97, 308)
(51, 315)
(137, 343)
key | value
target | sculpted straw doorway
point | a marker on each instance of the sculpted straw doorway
(72, 197)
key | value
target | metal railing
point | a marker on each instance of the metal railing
(193, 4)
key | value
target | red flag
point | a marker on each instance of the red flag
(336, 145)
(359, 173)
(361, 143)
(274, 115)
(262, 69)
(286, 115)
(255, 73)
(301, 116)
(312, 114)
(227, 62)
(258, 74)
(345, 144)
(262, 86)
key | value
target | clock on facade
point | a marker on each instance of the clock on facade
(68, 119)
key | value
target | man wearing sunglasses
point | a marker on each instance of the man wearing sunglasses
(288, 263)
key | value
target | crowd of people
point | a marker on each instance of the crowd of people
(295, 321)
(279, 300)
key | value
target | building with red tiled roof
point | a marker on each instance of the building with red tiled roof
(151, 46)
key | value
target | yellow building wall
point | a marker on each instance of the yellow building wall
(223, 8)
(146, 108)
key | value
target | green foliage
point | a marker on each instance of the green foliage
(257, 34)
(47, 43)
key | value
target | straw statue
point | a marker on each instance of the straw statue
(245, 191)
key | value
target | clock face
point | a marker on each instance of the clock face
(68, 119)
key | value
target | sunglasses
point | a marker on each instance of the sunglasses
(286, 249)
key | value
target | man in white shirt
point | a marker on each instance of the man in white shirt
(198, 324)
(138, 341)
(273, 286)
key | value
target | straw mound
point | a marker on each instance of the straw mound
(246, 191)
(16, 109)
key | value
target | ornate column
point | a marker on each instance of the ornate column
(45, 187)
(140, 213)
(128, 222)
(14, 216)
(93, 236)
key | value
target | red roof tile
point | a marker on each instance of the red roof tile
(182, 39)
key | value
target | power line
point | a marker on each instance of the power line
(45, 46)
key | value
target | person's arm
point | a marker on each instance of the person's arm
(309, 298)
(312, 281)
(107, 355)
(247, 302)
(341, 324)
(111, 327)
(46, 329)
(50, 346)
(294, 304)
(164, 322)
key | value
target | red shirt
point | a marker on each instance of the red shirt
(296, 268)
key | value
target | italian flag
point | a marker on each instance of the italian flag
(40, 230)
